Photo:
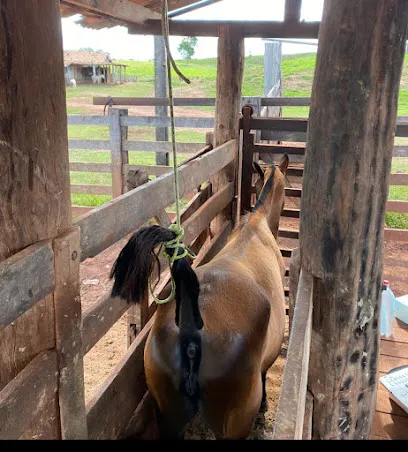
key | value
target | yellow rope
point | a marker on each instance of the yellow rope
(175, 244)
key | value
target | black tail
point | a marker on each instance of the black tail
(136, 261)
(189, 320)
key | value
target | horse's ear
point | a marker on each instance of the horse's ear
(284, 163)
(258, 169)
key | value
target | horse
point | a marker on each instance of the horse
(210, 353)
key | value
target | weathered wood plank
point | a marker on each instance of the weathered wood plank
(395, 349)
(285, 101)
(397, 206)
(111, 222)
(154, 121)
(293, 9)
(127, 11)
(78, 211)
(288, 234)
(161, 146)
(248, 149)
(399, 179)
(92, 189)
(68, 326)
(29, 402)
(390, 426)
(113, 405)
(342, 246)
(291, 213)
(79, 120)
(90, 167)
(386, 405)
(25, 278)
(388, 363)
(308, 421)
(99, 145)
(117, 135)
(291, 408)
(246, 29)
(279, 149)
(294, 271)
(398, 235)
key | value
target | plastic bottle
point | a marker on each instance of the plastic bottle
(387, 310)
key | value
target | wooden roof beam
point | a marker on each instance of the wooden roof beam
(123, 10)
(248, 29)
(293, 9)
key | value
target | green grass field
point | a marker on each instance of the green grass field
(297, 71)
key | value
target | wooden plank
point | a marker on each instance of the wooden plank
(113, 405)
(90, 167)
(286, 252)
(153, 170)
(388, 363)
(158, 101)
(398, 335)
(98, 145)
(293, 9)
(200, 219)
(291, 407)
(291, 213)
(400, 235)
(25, 278)
(161, 146)
(395, 349)
(217, 243)
(68, 326)
(288, 234)
(397, 206)
(77, 120)
(247, 29)
(111, 222)
(285, 101)
(248, 148)
(92, 189)
(399, 179)
(308, 421)
(153, 121)
(28, 402)
(294, 271)
(293, 192)
(129, 12)
(278, 124)
(386, 405)
(390, 426)
(342, 245)
(118, 161)
(196, 202)
(402, 130)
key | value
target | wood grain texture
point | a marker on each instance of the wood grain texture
(68, 326)
(28, 405)
(25, 278)
(34, 170)
(345, 187)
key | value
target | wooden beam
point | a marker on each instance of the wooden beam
(246, 29)
(123, 10)
(227, 110)
(293, 9)
(342, 245)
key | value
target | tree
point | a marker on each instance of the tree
(187, 47)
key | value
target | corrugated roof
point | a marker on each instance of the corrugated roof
(85, 57)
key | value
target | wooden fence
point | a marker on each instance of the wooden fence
(46, 399)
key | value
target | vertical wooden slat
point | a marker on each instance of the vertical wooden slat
(117, 153)
(247, 159)
(294, 273)
(68, 324)
(228, 101)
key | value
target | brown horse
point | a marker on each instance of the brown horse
(230, 320)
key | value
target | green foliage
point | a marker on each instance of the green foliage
(187, 47)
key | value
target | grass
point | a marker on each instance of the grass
(297, 71)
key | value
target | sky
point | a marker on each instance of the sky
(121, 45)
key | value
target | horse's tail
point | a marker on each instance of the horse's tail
(131, 272)
(189, 320)
(135, 263)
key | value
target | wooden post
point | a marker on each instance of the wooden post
(160, 89)
(247, 160)
(35, 202)
(345, 188)
(227, 109)
(120, 157)
(293, 9)
(68, 325)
